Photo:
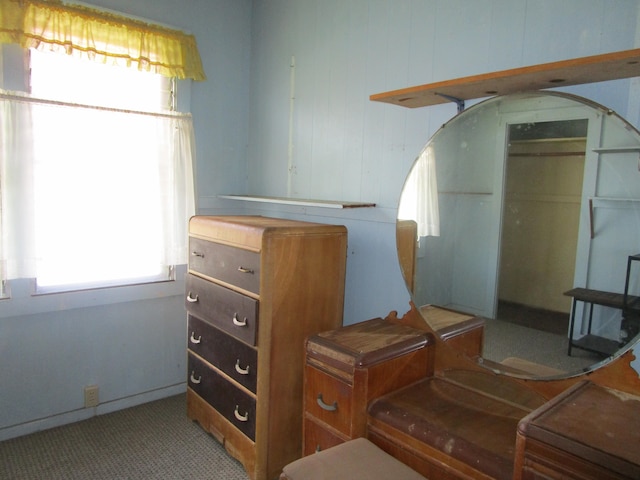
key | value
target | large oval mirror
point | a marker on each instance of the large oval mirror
(524, 211)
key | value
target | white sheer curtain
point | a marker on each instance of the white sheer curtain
(98, 189)
(17, 247)
(179, 204)
(419, 200)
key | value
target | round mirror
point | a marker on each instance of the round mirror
(519, 234)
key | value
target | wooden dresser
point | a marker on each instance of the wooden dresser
(348, 368)
(256, 288)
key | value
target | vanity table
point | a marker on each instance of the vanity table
(407, 391)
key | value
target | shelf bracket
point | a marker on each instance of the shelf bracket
(458, 101)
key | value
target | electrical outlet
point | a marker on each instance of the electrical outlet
(91, 396)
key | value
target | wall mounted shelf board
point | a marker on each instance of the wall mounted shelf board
(596, 68)
(298, 201)
(617, 149)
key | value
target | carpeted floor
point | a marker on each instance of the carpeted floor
(504, 339)
(539, 336)
(151, 441)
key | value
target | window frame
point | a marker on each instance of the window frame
(22, 296)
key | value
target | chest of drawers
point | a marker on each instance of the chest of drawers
(349, 367)
(256, 288)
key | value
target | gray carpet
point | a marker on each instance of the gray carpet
(151, 441)
(508, 339)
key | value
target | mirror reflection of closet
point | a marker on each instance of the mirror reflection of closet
(540, 218)
(470, 203)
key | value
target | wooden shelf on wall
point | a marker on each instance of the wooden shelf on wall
(299, 201)
(597, 68)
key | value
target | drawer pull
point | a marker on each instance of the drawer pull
(197, 254)
(242, 418)
(244, 270)
(326, 406)
(239, 323)
(194, 339)
(194, 379)
(191, 299)
(240, 370)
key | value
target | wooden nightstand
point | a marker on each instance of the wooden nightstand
(347, 368)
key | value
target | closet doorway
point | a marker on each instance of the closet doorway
(543, 181)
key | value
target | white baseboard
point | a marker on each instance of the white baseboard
(66, 418)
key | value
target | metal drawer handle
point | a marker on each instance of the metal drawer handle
(239, 323)
(194, 339)
(244, 270)
(326, 406)
(240, 370)
(194, 379)
(242, 418)
(191, 299)
(197, 254)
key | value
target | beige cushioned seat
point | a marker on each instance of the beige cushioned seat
(357, 459)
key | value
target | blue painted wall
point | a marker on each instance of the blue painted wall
(130, 341)
(330, 142)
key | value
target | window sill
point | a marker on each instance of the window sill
(22, 301)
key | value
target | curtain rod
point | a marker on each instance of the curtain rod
(23, 98)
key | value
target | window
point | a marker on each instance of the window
(96, 183)
(104, 176)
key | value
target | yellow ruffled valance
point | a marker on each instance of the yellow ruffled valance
(102, 36)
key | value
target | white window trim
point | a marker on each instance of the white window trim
(22, 301)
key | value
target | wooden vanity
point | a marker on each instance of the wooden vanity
(404, 388)
(471, 417)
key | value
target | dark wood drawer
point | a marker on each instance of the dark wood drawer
(234, 404)
(231, 265)
(236, 359)
(227, 310)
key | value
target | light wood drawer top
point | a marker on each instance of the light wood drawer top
(365, 343)
(248, 231)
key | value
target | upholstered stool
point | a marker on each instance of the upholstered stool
(357, 459)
